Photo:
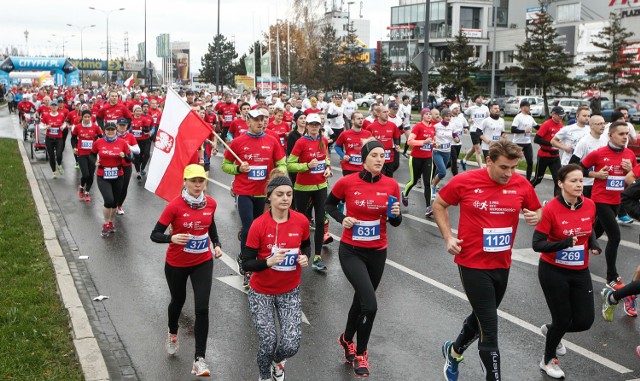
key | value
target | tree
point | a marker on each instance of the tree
(615, 70)
(457, 68)
(413, 80)
(227, 67)
(328, 69)
(544, 63)
(384, 81)
(354, 75)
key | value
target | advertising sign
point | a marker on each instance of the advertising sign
(181, 60)
(163, 46)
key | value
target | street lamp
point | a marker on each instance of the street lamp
(81, 28)
(349, 42)
(63, 41)
(107, 13)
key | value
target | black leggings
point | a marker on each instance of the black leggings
(141, 160)
(55, 148)
(110, 190)
(553, 163)
(387, 169)
(317, 197)
(420, 168)
(485, 290)
(606, 223)
(88, 169)
(527, 149)
(201, 276)
(363, 269)
(125, 184)
(249, 208)
(453, 161)
(569, 295)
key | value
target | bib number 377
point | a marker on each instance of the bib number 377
(497, 239)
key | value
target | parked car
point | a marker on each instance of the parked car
(512, 105)
(570, 105)
(366, 101)
(608, 107)
(632, 101)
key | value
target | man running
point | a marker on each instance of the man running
(388, 134)
(476, 113)
(548, 155)
(521, 128)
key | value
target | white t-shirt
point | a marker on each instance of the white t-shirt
(522, 122)
(585, 146)
(444, 137)
(478, 114)
(322, 105)
(306, 103)
(336, 123)
(632, 132)
(492, 129)
(459, 122)
(570, 135)
(406, 114)
(349, 108)
(397, 120)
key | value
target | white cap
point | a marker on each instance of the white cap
(274, 91)
(255, 114)
(392, 99)
(454, 106)
(378, 96)
(313, 118)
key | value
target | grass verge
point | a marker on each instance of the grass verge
(35, 341)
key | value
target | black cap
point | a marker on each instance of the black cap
(367, 147)
(558, 110)
(524, 102)
(189, 92)
(393, 105)
(123, 121)
(110, 126)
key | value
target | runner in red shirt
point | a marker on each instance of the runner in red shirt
(110, 152)
(191, 217)
(371, 200)
(281, 128)
(277, 248)
(55, 124)
(128, 137)
(25, 107)
(314, 109)
(349, 144)
(82, 137)
(388, 134)
(548, 155)
(490, 202)
(227, 112)
(288, 115)
(141, 130)
(239, 126)
(112, 111)
(565, 238)
(44, 107)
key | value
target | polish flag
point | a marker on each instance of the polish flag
(180, 134)
(129, 82)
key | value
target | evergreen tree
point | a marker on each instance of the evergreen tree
(354, 71)
(413, 80)
(615, 69)
(456, 70)
(384, 81)
(327, 69)
(227, 68)
(544, 63)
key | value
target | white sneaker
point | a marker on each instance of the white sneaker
(561, 350)
(277, 371)
(172, 343)
(61, 170)
(552, 368)
(119, 211)
(200, 368)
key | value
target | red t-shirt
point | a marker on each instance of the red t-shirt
(385, 133)
(111, 114)
(109, 156)
(185, 220)
(131, 104)
(140, 128)
(608, 191)
(559, 223)
(55, 123)
(131, 141)
(210, 118)
(367, 202)
(261, 153)
(265, 234)
(547, 131)
(281, 129)
(423, 132)
(238, 127)
(312, 111)
(44, 110)
(307, 149)
(288, 118)
(156, 116)
(489, 214)
(86, 137)
(26, 106)
(227, 112)
(351, 143)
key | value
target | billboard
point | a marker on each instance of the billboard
(163, 46)
(181, 59)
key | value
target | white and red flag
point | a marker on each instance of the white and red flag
(129, 82)
(180, 134)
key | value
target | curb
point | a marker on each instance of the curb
(91, 360)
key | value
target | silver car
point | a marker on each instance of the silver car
(570, 105)
(512, 106)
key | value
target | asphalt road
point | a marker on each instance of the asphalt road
(420, 299)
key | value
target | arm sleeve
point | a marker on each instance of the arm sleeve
(294, 166)
(157, 234)
(540, 141)
(305, 247)
(135, 149)
(250, 261)
(339, 151)
(229, 167)
(213, 233)
(282, 164)
(541, 245)
(331, 206)
(593, 241)
(74, 140)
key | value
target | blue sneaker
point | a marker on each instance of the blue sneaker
(405, 199)
(625, 220)
(463, 164)
(317, 264)
(450, 369)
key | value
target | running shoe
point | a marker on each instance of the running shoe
(419, 184)
(450, 369)
(87, 197)
(630, 306)
(361, 365)
(428, 213)
(172, 343)
(277, 370)
(561, 350)
(405, 155)
(246, 280)
(231, 190)
(112, 229)
(405, 199)
(77, 166)
(105, 231)
(552, 368)
(616, 284)
(434, 192)
(138, 176)
(638, 351)
(119, 211)
(200, 368)
(317, 264)
(625, 220)
(143, 173)
(312, 224)
(463, 164)
(80, 192)
(327, 239)
(55, 175)
(349, 349)
(60, 169)
(607, 306)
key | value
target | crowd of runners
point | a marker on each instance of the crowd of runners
(279, 150)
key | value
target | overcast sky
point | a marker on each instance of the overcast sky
(185, 20)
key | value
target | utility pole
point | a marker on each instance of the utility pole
(425, 56)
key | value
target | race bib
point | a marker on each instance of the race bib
(387, 154)
(198, 244)
(54, 130)
(86, 144)
(228, 118)
(355, 159)
(114, 121)
(495, 138)
(137, 133)
(615, 183)
(110, 173)
(319, 168)
(155, 119)
(445, 146)
(289, 262)
(366, 231)
(282, 141)
(527, 134)
(572, 256)
(257, 172)
(426, 147)
(496, 239)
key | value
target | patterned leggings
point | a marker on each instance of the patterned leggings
(263, 308)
